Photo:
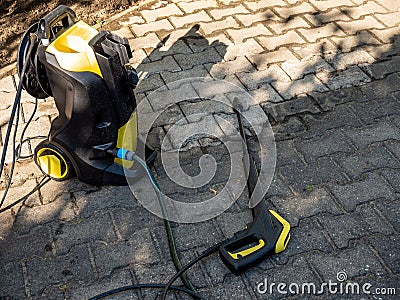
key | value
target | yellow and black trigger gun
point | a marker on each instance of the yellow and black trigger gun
(266, 235)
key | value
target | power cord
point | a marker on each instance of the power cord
(16, 150)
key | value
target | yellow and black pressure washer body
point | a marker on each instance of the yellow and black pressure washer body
(87, 73)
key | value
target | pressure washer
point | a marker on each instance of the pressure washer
(94, 136)
(88, 74)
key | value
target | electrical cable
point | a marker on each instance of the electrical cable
(15, 113)
(37, 187)
(143, 286)
(203, 255)
(17, 150)
(15, 106)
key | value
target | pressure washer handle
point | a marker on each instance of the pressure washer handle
(62, 14)
(268, 234)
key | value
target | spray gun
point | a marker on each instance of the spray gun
(266, 235)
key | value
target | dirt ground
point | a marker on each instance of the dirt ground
(16, 16)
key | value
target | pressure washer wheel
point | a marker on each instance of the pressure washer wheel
(35, 81)
(53, 162)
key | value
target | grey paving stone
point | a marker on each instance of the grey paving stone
(340, 117)
(139, 249)
(371, 111)
(393, 177)
(329, 100)
(306, 205)
(196, 71)
(297, 271)
(278, 187)
(117, 279)
(160, 273)
(387, 249)
(280, 111)
(83, 230)
(12, 280)
(206, 106)
(129, 221)
(197, 275)
(324, 170)
(190, 236)
(371, 187)
(287, 154)
(348, 227)
(329, 143)
(238, 291)
(379, 70)
(288, 129)
(367, 160)
(59, 269)
(381, 88)
(149, 84)
(393, 147)
(167, 63)
(179, 47)
(353, 76)
(390, 210)
(378, 132)
(188, 61)
(33, 244)
(356, 261)
(306, 237)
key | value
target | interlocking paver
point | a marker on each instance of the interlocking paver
(222, 69)
(311, 65)
(264, 60)
(188, 61)
(263, 4)
(201, 16)
(239, 35)
(249, 47)
(386, 35)
(290, 37)
(302, 8)
(250, 19)
(150, 40)
(210, 27)
(308, 84)
(282, 110)
(142, 29)
(352, 27)
(254, 79)
(218, 14)
(191, 6)
(348, 43)
(321, 47)
(326, 75)
(353, 76)
(372, 158)
(329, 4)
(293, 23)
(389, 19)
(160, 13)
(329, 265)
(317, 19)
(315, 34)
(365, 9)
(371, 187)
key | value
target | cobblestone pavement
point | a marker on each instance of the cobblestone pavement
(327, 74)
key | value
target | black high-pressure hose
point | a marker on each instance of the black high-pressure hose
(130, 155)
